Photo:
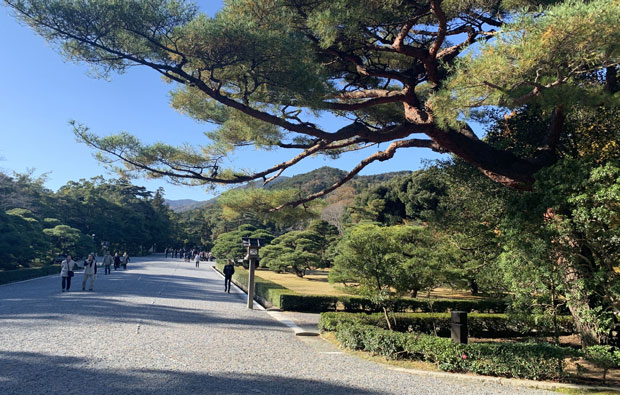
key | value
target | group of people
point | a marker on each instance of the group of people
(118, 261)
(197, 256)
(188, 255)
(90, 269)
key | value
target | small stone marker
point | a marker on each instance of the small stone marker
(458, 326)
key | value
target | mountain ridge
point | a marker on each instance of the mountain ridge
(308, 183)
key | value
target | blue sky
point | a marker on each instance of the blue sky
(41, 92)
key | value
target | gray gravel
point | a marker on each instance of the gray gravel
(165, 327)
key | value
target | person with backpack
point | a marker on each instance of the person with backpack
(66, 272)
(229, 270)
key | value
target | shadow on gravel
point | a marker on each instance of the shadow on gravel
(34, 373)
(113, 310)
(128, 297)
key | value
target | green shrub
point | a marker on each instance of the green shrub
(307, 303)
(480, 325)
(535, 361)
(605, 357)
(425, 305)
(10, 276)
(386, 343)
(285, 299)
(351, 336)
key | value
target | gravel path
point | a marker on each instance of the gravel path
(165, 327)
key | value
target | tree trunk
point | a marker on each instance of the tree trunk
(578, 304)
(500, 166)
(387, 318)
(473, 286)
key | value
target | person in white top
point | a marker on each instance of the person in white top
(89, 272)
(197, 258)
(66, 272)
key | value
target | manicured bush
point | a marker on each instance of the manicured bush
(278, 296)
(480, 325)
(425, 305)
(535, 361)
(10, 276)
(307, 303)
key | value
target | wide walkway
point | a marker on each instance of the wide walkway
(165, 327)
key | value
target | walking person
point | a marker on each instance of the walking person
(66, 272)
(197, 258)
(124, 260)
(107, 262)
(90, 266)
(117, 261)
(229, 270)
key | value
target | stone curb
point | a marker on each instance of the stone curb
(239, 289)
(544, 385)
(278, 316)
(275, 314)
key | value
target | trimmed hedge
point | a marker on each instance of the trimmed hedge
(480, 325)
(536, 361)
(422, 305)
(278, 296)
(11, 276)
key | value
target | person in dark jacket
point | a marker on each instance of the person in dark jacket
(117, 261)
(229, 270)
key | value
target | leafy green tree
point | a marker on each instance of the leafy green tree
(266, 205)
(425, 258)
(299, 251)
(403, 73)
(68, 240)
(228, 245)
(558, 239)
(575, 228)
(366, 255)
(389, 262)
(294, 251)
(22, 239)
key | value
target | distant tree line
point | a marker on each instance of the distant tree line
(37, 224)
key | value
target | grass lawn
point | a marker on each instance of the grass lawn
(315, 283)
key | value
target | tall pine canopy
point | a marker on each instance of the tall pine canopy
(401, 73)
